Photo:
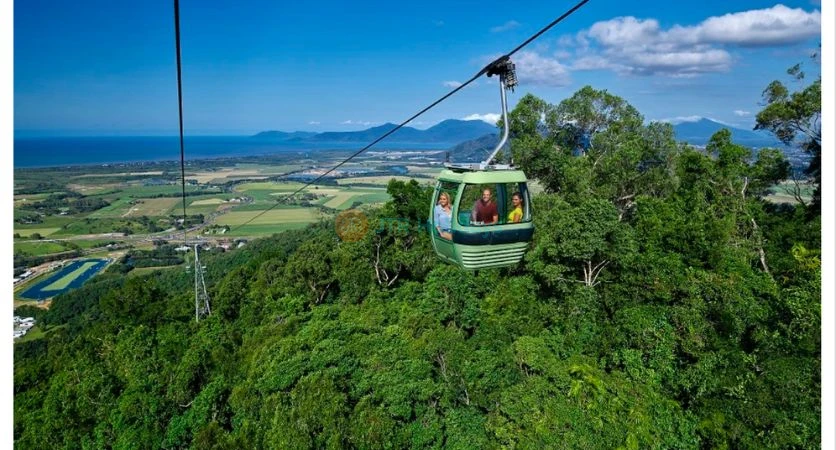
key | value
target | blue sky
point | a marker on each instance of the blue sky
(104, 67)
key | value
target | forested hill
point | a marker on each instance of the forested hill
(662, 304)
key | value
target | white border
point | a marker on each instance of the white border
(6, 229)
(828, 375)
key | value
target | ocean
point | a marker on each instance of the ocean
(70, 151)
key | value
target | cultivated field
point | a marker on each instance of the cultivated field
(208, 201)
(28, 232)
(152, 207)
(73, 209)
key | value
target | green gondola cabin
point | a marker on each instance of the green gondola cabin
(474, 245)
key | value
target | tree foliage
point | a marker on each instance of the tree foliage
(663, 304)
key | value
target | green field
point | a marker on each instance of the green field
(339, 199)
(98, 226)
(27, 232)
(366, 198)
(36, 333)
(266, 230)
(130, 201)
(38, 248)
(64, 281)
(272, 217)
(208, 201)
(784, 192)
(117, 208)
(33, 333)
(269, 186)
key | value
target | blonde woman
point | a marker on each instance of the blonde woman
(443, 216)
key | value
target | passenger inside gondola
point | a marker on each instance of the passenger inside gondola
(443, 216)
(516, 214)
(484, 210)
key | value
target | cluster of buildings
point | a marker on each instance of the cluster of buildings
(22, 325)
(226, 244)
(23, 276)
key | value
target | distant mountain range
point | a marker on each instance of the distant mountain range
(283, 136)
(458, 134)
(700, 131)
(448, 132)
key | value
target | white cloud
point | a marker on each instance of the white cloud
(507, 26)
(490, 118)
(741, 113)
(778, 25)
(452, 84)
(616, 32)
(357, 122)
(680, 119)
(628, 45)
(423, 123)
(314, 122)
(534, 68)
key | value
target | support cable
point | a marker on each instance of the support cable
(495, 67)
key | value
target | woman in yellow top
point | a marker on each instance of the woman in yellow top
(516, 215)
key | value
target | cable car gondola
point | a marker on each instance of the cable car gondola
(490, 221)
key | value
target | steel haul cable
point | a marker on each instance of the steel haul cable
(484, 70)
(180, 109)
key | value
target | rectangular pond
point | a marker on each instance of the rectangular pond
(71, 276)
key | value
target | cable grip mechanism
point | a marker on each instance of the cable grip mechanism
(505, 69)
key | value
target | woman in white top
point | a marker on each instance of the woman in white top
(443, 216)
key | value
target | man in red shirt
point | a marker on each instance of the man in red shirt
(484, 209)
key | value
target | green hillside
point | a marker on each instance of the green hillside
(662, 304)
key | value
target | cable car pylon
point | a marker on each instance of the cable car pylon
(201, 297)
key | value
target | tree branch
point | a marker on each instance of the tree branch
(761, 253)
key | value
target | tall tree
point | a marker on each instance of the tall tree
(795, 118)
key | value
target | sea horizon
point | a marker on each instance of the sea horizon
(33, 152)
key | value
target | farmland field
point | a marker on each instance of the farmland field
(152, 207)
(37, 248)
(339, 199)
(208, 201)
(139, 206)
(27, 232)
(366, 198)
(266, 230)
(275, 216)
